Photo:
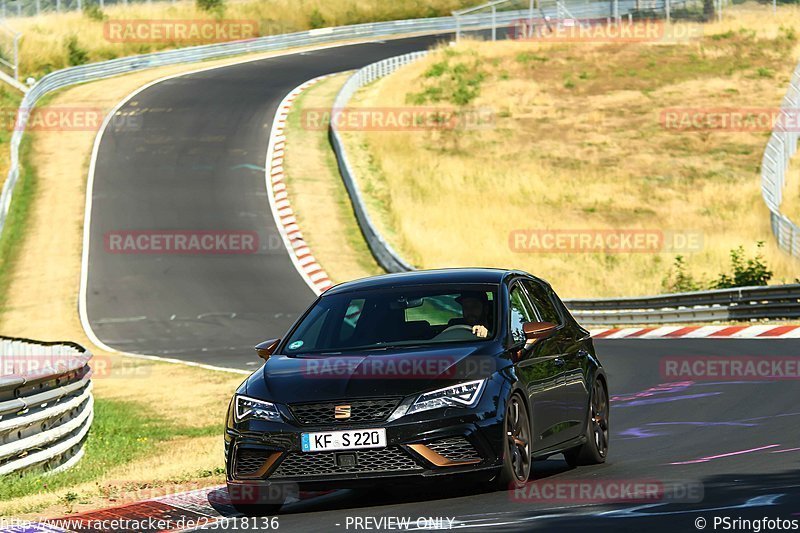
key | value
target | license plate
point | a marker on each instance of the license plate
(354, 439)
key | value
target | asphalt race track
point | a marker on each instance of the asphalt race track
(197, 163)
(193, 160)
(734, 445)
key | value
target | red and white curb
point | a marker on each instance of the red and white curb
(299, 252)
(176, 512)
(206, 508)
(700, 332)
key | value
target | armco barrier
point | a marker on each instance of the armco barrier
(95, 71)
(381, 250)
(745, 303)
(46, 404)
(748, 303)
(384, 254)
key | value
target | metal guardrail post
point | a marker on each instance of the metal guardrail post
(494, 23)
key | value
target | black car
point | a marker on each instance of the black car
(417, 375)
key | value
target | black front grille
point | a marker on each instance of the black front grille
(455, 449)
(299, 464)
(361, 411)
(248, 462)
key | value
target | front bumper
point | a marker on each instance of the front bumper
(424, 445)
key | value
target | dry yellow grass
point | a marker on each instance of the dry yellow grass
(318, 196)
(791, 193)
(44, 45)
(42, 298)
(42, 304)
(577, 143)
(162, 474)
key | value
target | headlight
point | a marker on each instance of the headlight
(461, 395)
(246, 408)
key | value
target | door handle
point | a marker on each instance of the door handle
(558, 361)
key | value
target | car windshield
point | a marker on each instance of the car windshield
(405, 316)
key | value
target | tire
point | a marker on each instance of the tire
(266, 509)
(516, 446)
(595, 450)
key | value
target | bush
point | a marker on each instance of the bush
(678, 280)
(316, 20)
(746, 272)
(75, 54)
(93, 12)
(210, 5)
(458, 83)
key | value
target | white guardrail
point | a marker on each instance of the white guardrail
(46, 404)
(740, 304)
(384, 254)
(781, 147)
(95, 71)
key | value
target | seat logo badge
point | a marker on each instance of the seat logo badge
(341, 412)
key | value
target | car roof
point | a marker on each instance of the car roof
(427, 277)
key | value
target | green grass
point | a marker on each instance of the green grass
(13, 232)
(21, 201)
(121, 432)
(313, 146)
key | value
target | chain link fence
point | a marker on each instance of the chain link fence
(781, 147)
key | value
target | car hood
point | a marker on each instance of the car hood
(309, 378)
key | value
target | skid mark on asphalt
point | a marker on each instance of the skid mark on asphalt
(724, 455)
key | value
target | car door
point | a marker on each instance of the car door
(572, 358)
(538, 370)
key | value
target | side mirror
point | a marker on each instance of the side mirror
(535, 331)
(267, 348)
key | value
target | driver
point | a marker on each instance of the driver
(474, 311)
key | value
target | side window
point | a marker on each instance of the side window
(521, 312)
(351, 317)
(543, 302)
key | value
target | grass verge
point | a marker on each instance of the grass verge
(577, 143)
(15, 224)
(317, 193)
(53, 41)
(122, 431)
(135, 451)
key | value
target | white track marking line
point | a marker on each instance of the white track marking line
(82, 305)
